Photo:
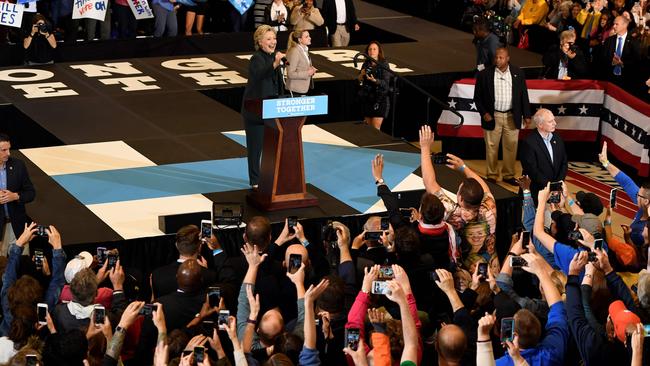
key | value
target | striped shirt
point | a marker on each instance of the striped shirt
(502, 90)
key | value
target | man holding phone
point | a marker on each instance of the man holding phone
(543, 157)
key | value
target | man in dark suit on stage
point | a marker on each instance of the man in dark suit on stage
(340, 19)
(543, 157)
(622, 57)
(16, 189)
(501, 97)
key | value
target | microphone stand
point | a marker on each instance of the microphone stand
(410, 83)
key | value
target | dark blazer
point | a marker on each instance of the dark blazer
(577, 66)
(18, 182)
(180, 308)
(329, 15)
(631, 58)
(484, 96)
(163, 279)
(536, 162)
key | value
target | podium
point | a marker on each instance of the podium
(282, 175)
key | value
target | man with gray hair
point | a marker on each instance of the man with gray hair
(543, 156)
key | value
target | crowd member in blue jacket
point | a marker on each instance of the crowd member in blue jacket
(640, 195)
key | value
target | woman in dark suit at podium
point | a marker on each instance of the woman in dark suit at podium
(374, 86)
(264, 81)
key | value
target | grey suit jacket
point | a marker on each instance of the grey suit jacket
(298, 79)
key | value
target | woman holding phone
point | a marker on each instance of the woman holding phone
(299, 69)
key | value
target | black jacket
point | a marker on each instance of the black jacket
(536, 162)
(18, 182)
(329, 15)
(163, 279)
(484, 96)
(577, 66)
(631, 57)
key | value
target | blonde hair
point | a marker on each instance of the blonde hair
(567, 34)
(260, 32)
(559, 280)
(294, 38)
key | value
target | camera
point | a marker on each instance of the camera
(440, 159)
(379, 288)
(148, 309)
(41, 230)
(222, 320)
(43, 28)
(352, 336)
(575, 235)
(295, 262)
(38, 259)
(386, 272)
(518, 262)
(328, 234)
(370, 72)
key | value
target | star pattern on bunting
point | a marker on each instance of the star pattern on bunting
(561, 110)
(472, 106)
(583, 109)
(452, 104)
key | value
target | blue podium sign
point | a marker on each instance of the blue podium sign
(294, 107)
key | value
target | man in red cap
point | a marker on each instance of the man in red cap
(620, 320)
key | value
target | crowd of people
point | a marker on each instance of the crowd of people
(604, 40)
(198, 17)
(420, 285)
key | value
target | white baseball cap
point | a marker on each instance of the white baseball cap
(80, 261)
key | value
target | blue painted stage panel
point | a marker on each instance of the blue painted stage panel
(156, 181)
(341, 171)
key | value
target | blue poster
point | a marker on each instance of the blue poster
(241, 5)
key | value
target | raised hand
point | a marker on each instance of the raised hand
(485, 325)
(454, 162)
(313, 292)
(359, 356)
(253, 302)
(602, 157)
(27, 235)
(402, 278)
(378, 167)
(426, 138)
(578, 263)
(376, 316)
(284, 235)
(253, 257)
(370, 274)
(445, 281)
(395, 292)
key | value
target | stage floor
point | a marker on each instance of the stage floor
(111, 191)
(111, 146)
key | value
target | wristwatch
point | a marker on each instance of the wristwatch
(379, 181)
(120, 329)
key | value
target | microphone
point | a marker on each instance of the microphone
(284, 61)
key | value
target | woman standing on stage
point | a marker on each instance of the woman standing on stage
(300, 70)
(264, 80)
(374, 86)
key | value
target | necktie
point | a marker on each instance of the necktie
(619, 50)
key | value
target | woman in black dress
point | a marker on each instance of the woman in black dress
(374, 86)
(264, 80)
